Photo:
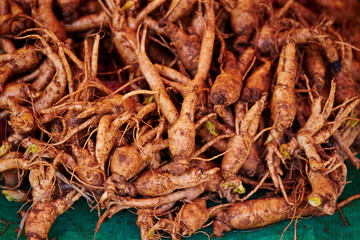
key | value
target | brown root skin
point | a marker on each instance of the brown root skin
(324, 192)
(345, 87)
(171, 74)
(47, 72)
(239, 147)
(258, 213)
(44, 209)
(252, 164)
(22, 122)
(126, 161)
(88, 22)
(215, 179)
(108, 129)
(226, 88)
(177, 10)
(228, 84)
(326, 188)
(119, 185)
(326, 133)
(57, 87)
(266, 41)
(187, 46)
(122, 37)
(244, 215)
(70, 122)
(190, 218)
(27, 58)
(282, 108)
(40, 219)
(153, 78)
(245, 59)
(314, 65)
(87, 167)
(20, 92)
(43, 214)
(162, 202)
(21, 118)
(14, 23)
(207, 136)
(309, 15)
(68, 9)
(13, 163)
(243, 21)
(145, 221)
(110, 104)
(7, 45)
(188, 194)
(182, 134)
(154, 183)
(50, 152)
(10, 179)
(314, 124)
(257, 84)
(282, 104)
(226, 115)
(168, 226)
(45, 15)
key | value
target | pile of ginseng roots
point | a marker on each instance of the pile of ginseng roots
(164, 107)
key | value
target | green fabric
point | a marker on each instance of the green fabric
(79, 223)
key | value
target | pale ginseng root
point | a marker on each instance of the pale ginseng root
(44, 14)
(87, 22)
(315, 66)
(150, 7)
(25, 59)
(229, 83)
(167, 183)
(68, 9)
(112, 104)
(187, 46)
(258, 83)
(108, 130)
(120, 203)
(21, 118)
(244, 20)
(314, 124)
(211, 180)
(283, 110)
(239, 147)
(177, 10)
(44, 209)
(153, 78)
(184, 127)
(128, 161)
(190, 218)
(245, 215)
(324, 190)
(87, 167)
(182, 135)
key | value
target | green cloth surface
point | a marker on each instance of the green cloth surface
(79, 223)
